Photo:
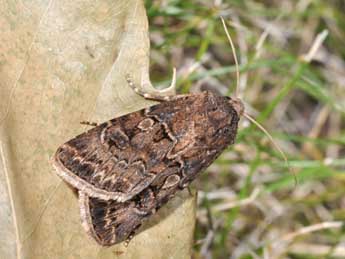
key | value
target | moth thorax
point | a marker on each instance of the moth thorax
(238, 105)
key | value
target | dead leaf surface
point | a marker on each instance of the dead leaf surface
(62, 62)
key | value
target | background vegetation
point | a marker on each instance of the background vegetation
(249, 205)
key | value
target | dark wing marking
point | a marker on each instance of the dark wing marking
(115, 160)
(111, 222)
(108, 222)
(119, 159)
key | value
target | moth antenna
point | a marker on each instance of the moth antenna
(273, 142)
(234, 55)
(247, 115)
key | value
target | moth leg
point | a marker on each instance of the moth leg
(154, 96)
(88, 123)
(130, 237)
(126, 243)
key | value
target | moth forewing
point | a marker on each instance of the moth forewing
(129, 167)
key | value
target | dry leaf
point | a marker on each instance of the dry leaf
(62, 62)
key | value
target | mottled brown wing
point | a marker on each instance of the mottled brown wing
(118, 159)
(111, 222)
(115, 160)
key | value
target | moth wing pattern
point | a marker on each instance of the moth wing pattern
(110, 222)
(120, 158)
(127, 168)
(110, 160)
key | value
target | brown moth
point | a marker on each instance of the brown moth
(127, 168)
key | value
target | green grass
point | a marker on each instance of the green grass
(302, 104)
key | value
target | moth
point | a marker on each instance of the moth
(127, 168)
